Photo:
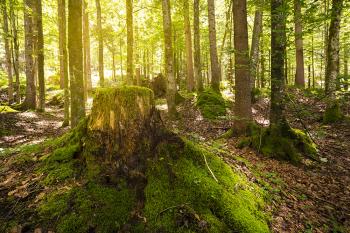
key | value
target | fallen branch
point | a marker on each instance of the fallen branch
(211, 172)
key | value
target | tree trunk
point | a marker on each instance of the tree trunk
(332, 68)
(30, 100)
(169, 63)
(87, 51)
(189, 53)
(15, 56)
(62, 23)
(254, 51)
(121, 58)
(40, 54)
(100, 44)
(278, 47)
(299, 75)
(75, 48)
(243, 111)
(215, 68)
(7, 51)
(197, 46)
(130, 42)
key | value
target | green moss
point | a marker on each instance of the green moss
(92, 207)
(6, 109)
(280, 141)
(231, 204)
(211, 104)
(333, 113)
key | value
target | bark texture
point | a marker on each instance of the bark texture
(87, 49)
(75, 48)
(8, 56)
(243, 111)
(100, 44)
(130, 42)
(278, 47)
(189, 52)
(254, 51)
(332, 69)
(30, 99)
(169, 59)
(40, 54)
(215, 67)
(197, 47)
(300, 69)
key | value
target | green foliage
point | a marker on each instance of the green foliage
(333, 113)
(211, 104)
(180, 178)
(280, 141)
(91, 207)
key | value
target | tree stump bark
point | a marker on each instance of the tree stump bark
(120, 119)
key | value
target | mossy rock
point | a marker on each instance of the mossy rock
(159, 86)
(281, 142)
(7, 109)
(211, 104)
(333, 113)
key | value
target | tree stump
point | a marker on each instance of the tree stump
(119, 126)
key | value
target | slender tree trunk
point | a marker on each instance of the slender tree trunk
(75, 48)
(100, 44)
(313, 60)
(130, 42)
(62, 29)
(197, 46)
(121, 58)
(254, 51)
(15, 56)
(30, 100)
(215, 68)
(278, 47)
(189, 53)
(332, 68)
(243, 110)
(7, 51)
(87, 48)
(169, 63)
(300, 73)
(40, 54)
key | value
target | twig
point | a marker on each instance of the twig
(211, 172)
(170, 208)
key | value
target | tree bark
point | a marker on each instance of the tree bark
(87, 48)
(332, 69)
(40, 54)
(215, 68)
(197, 46)
(278, 47)
(243, 110)
(254, 52)
(100, 44)
(130, 41)
(62, 29)
(189, 53)
(15, 56)
(300, 70)
(7, 51)
(30, 100)
(75, 48)
(169, 63)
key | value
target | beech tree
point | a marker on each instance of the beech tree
(30, 99)
(197, 46)
(169, 62)
(189, 52)
(130, 41)
(299, 47)
(75, 49)
(8, 56)
(40, 55)
(214, 62)
(243, 110)
(100, 44)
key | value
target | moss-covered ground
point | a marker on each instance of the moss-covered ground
(188, 189)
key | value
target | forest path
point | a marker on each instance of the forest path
(19, 128)
(310, 197)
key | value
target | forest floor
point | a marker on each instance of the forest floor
(310, 197)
